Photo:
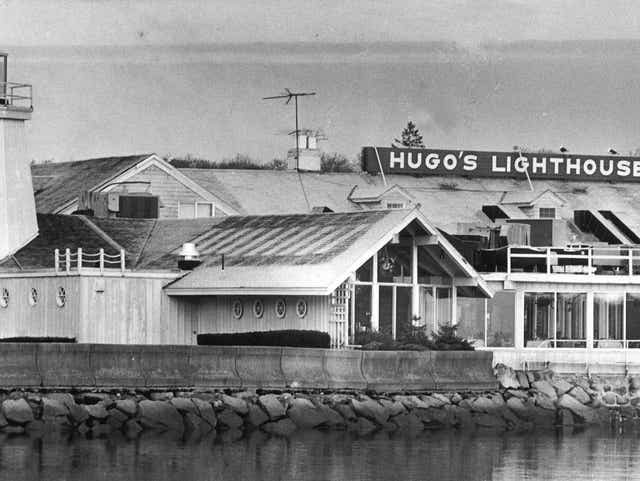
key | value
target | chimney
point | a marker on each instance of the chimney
(188, 257)
(18, 222)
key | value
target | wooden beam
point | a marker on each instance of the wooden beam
(427, 240)
(465, 281)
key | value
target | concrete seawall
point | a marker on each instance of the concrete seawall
(271, 368)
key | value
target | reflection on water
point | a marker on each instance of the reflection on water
(313, 455)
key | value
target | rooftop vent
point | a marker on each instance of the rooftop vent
(188, 257)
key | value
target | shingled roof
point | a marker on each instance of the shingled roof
(56, 184)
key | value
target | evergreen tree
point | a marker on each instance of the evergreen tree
(410, 138)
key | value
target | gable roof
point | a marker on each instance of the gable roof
(376, 194)
(57, 184)
(306, 254)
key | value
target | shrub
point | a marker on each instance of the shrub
(287, 338)
(445, 339)
(39, 339)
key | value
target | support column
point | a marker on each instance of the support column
(519, 320)
(454, 304)
(415, 288)
(375, 296)
(589, 320)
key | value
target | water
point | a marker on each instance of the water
(482, 455)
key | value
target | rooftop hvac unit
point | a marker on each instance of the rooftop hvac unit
(138, 206)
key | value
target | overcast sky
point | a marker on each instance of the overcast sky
(109, 22)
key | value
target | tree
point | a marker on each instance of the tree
(337, 163)
(410, 138)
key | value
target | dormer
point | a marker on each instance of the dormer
(391, 197)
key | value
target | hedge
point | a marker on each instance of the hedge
(286, 338)
(39, 339)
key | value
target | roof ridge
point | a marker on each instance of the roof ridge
(102, 234)
(144, 244)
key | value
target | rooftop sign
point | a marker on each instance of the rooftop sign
(475, 163)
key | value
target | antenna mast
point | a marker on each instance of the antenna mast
(288, 94)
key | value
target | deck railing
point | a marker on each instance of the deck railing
(618, 260)
(68, 260)
(16, 95)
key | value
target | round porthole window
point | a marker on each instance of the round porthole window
(33, 296)
(237, 308)
(301, 308)
(4, 297)
(258, 308)
(61, 297)
(281, 308)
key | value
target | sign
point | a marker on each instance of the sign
(475, 163)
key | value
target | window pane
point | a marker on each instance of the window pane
(633, 319)
(362, 314)
(365, 273)
(443, 306)
(538, 319)
(470, 318)
(501, 311)
(187, 211)
(607, 320)
(385, 309)
(404, 325)
(571, 320)
(426, 309)
(394, 264)
(205, 210)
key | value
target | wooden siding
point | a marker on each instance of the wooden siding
(169, 190)
(45, 318)
(215, 314)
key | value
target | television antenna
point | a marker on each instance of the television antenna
(288, 94)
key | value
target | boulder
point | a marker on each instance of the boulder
(237, 404)
(283, 427)
(544, 401)
(545, 387)
(97, 411)
(580, 395)
(53, 408)
(520, 408)
(17, 411)
(506, 376)
(433, 417)
(205, 410)
(194, 424)
(392, 407)
(456, 398)
(160, 415)
(561, 386)
(518, 393)
(483, 404)
(161, 396)
(257, 417)
(441, 398)
(566, 418)
(184, 405)
(609, 398)
(523, 380)
(116, 418)
(227, 417)
(272, 405)
(304, 413)
(63, 397)
(412, 402)
(585, 413)
(346, 412)
(95, 397)
(127, 406)
(333, 419)
(78, 413)
(370, 409)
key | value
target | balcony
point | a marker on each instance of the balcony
(16, 96)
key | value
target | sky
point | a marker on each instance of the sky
(116, 77)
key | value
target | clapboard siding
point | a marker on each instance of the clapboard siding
(46, 318)
(168, 189)
(215, 314)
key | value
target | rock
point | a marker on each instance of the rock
(584, 412)
(161, 396)
(184, 405)
(53, 407)
(566, 418)
(333, 419)
(456, 398)
(257, 417)
(392, 407)
(78, 413)
(544, 401)
(272, 405)
(305, 414)
(492, 421)
(459, 416)
(522, 379)
(609, 398)
(509, 416)
(634, 383)
(230, 419)
(116, 418)
(362, 426)
(433, 417)
(561, 386)
(440, 397)
(520, 408)
(97, 411)
(195, 424)
(127, 406)
(205, 410)
(17, 411)
(95, 398)
(412, 402)
(283, 427)
(483, 405)
(506, 376)
(63, 397)
(346, 412)
(3, 421)
(545, 388)
(132, 428)
(530, 376)
(238, 405)
(497, 400)
(160, 415)
(518, 393)
(370, 409)
(580, 395)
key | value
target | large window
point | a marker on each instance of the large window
(555, 319)
(501, 310)
(616, 320)
(394, 264)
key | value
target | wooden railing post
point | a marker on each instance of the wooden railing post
(56, 260)
(122, 263)
(67, 259)
(589, 261)
(548, 260)
(79, 259)
(508, 259)
(630, 261)
(101, 261)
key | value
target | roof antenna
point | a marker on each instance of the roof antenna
(526, 169)
(288, 94)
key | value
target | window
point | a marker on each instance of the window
(258, 308)
(394, 264)
(395, 205)
(61, 297)
(4, 297)
(555, 319)
(237, 309)
(191, 210)
(616, 320)
(33, 296)
(281, 308)
(301, 308)
(547, 213)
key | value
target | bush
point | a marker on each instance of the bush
(287, 338)
(445, 339)
(39, 339)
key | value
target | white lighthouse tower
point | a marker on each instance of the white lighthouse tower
(18, 223)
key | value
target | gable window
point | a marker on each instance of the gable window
(191, 210)
(547, 212)
(395, 205)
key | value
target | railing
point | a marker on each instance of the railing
(77, 260)
(619, 260)
(16, 95)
